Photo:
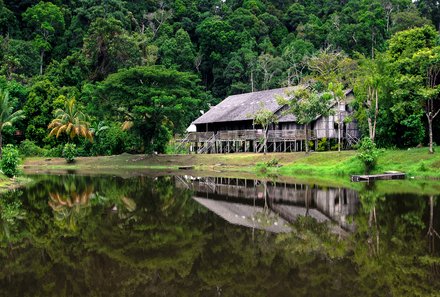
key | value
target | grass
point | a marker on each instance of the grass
(415, 162)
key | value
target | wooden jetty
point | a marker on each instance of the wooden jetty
(373, 177)
(185, 167)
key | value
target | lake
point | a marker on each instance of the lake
(171, 235)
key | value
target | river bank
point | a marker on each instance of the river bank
(7, 184)
(417, 163)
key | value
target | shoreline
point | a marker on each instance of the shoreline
(416, 163)
(324, 168)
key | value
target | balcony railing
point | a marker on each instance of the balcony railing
(245, 135)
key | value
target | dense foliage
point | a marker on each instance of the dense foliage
(368, 154)
(150, 67)
(69, 152)
(10, 160)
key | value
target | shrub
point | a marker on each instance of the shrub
(261, 168)
(274, 162)
(368, 154)
(56, 151)
(10, 160)
(28, 148)
(115, 141)
(69, 152)
(422, 167)
(322, 145)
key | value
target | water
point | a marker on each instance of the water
(75, 235)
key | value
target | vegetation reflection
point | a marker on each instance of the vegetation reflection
(71, 236)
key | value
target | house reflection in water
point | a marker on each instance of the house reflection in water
(272, 206)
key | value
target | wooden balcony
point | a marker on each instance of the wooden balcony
(195, 137)
(246, 135)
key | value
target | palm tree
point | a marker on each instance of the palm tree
(7, 117)
(71, 121)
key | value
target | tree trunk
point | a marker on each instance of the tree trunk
(372, 121)
(431, 114)
(41, 61)
(339, 126)
(370, 129)
(369, 120)
(376, 112)
(266, 130)
(306, 137)
(1, 145)
(431, 151)
(252, 81)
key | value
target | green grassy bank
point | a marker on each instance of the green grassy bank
(415, 162)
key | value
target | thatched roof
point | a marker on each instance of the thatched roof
(242, 107)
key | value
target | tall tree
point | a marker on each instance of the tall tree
(431, 10)
(413, 59)
(156, 101)
(429, 61)
(46, 19)
(371, 79)
(333, 69)
(7, 115)
(271, 69)
(108, 47)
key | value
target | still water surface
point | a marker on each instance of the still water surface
(73, 235)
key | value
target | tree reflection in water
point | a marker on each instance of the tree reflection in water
(146, 237)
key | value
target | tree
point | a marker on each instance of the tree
(156, 101)
(306, 105)
(329, 65)
(371, 79)
(294, 54)
(7, 19)
(157, 19)
(265, 118)
(431, 10)
(429, 61)
(108, 47)
(178, 51)
(19, 58)
(408, 19)
(71, 121)
(368, 154)
(332, 69)
(270, 68)
(40, 103)
(414, 61)
(7, 116)
(339, 96)
(46, 19)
